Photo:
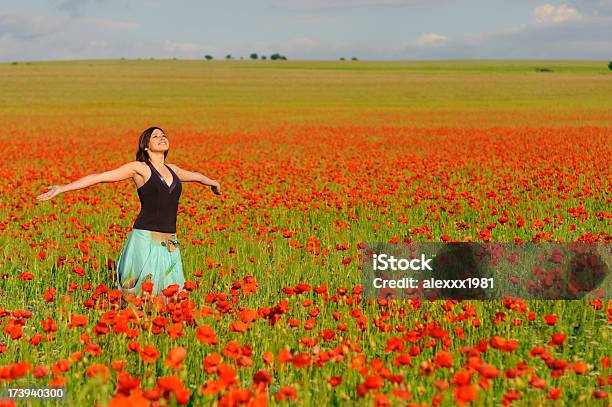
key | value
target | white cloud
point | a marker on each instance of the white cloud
(34, 37)
(548, 13)
(575, 38)
(430, 40)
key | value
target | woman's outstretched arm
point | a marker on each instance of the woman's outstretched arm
(118, 174)
(187, 176)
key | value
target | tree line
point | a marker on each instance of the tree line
(274, 57)
(253, 56)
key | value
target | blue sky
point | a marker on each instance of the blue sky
(306, 29)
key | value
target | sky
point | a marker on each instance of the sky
(35, 30)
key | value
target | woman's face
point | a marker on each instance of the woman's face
(158, 141)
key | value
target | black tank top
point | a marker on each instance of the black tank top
(159, 202)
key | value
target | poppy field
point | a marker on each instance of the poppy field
(314, 159)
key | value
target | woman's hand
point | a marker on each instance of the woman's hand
(216, 188)
(53, 190)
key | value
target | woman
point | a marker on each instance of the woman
(151, 252)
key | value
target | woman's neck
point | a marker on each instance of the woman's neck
(157, 160)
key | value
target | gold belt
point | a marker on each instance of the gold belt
(165, 239)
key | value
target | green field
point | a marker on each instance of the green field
(241, 93)
(313, 158)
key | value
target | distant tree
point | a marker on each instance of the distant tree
(254, 55)
(610, 65)
(342, 59)
(241, 58)
(228, 56)
(354, 59)
(263, 57)
(284, 58)
(208, 57)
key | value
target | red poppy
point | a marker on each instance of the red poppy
(149, 353)
(286, 393)
(373, 382)
(63, 365)
(232, 350)
(118, 365)
(175, 330)
(465, 394)
(99, 371)
(170, 290)
(134, 346)
(537, 382)
(335, 381)
(301, 360)
(126, 382)
(262, 378)
(235, 397)
(147, 287)
(443, 359)
(49, 325)
(268, 358)
(169, 383)
(462, 378)
(50, 294)
(175, 357)
(580, 367)
(403, 359)
(239, 326)
(557, 339)
(205, 334)
(553, 394)
(79, 270)
(40, 371)
(93, 349)
(502, 344)
(227, 375)
(550, 319)
(26, 276)
(211, 387)
(211, 362)
(599, 394)
(77, 321)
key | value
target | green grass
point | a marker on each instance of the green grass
(424, 93)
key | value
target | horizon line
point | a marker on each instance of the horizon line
(346, 59)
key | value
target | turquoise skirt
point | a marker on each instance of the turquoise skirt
(144, 259)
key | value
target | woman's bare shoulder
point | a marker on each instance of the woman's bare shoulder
(140, 164)
(140, 167)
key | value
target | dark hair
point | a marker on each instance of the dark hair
(143, 142)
